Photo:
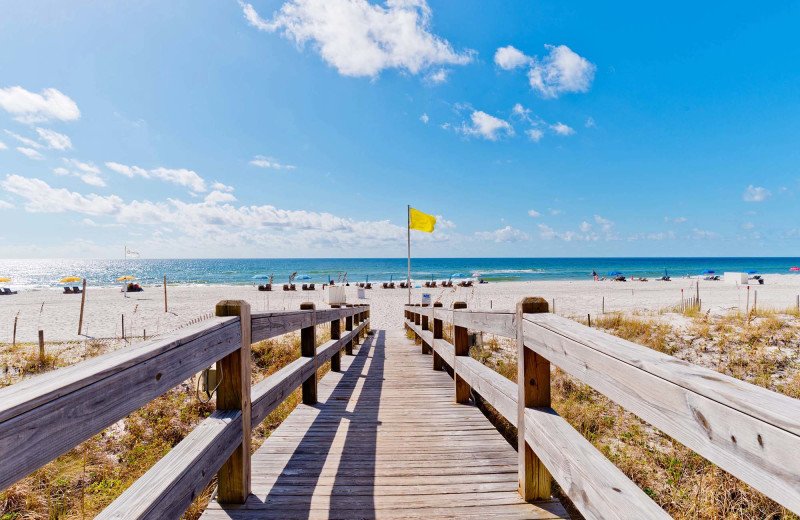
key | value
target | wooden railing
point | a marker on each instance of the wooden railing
(46, 416)
(750, 432)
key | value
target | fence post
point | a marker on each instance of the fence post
(348, 327)
(366, 316)
(308, 348)
(437, 334)
(533, 380)
(356, 322)
(426, 349)
(418, 323)
(461, 344)
(234, 477)
(336, 360)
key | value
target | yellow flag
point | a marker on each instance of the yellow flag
(421, 221)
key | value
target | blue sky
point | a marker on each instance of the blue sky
(304, 127)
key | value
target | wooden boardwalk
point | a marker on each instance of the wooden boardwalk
(386, 440)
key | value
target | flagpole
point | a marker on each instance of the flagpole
(408, 230)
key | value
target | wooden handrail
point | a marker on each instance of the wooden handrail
(45, 416)
(749, 431)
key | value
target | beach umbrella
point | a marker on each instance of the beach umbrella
(3, 280)
(260, 277)
(457, 275)
(791, 269)
(390, 278)
(124, 278)
(707, 271)
(752, 271)
(614, 273)
(71, 279)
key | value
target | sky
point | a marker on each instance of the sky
(304, 128)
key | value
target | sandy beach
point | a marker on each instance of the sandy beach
(57, 314)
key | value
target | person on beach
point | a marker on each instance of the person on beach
(594, 275)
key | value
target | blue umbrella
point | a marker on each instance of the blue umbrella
(303, 277)
(708, 271)
(752, 271)
(457, 275)
(260, 277)
(614, 273)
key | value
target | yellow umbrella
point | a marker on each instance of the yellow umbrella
(71, 279)
(123, 278)
(2, 280)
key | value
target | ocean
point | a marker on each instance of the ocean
(47, 273)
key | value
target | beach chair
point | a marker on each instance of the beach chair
(361, 285)
(261, 288)
(311, 286)
(286, 287)
(67, 290)
(368, 285)
(304, 287)
(391, 285)
(8, 291)
(76, 290)
(433, 284)
(385, 285)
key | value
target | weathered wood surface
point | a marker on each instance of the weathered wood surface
(363, 452)
(748, 431)
(170, 486)
(500, 323)
(57, 425)
(268, 325)
(36, 391)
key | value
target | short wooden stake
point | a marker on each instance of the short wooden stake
(534, 391)
(755, 300)
(603, 310)
(437, 334)
(461, 344)
(14, 338)
(589, 319)
(123, 326)
(234, 477)
(336, 360)
(348, 327)
(41, 347)
(423, 320)
(308, 348)
(83, 302)
(165, 293)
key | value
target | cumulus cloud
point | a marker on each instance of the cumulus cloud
(548, 233)
(3, 146)
(27, 141)
(756, 194)
(676, 220)
(533, 213)
(42, 198)
(359, 38)
(486, 126)
(506, 234)
(438, 76)
(747, 225)
(701, 234)
(29, 107)
(221, 187)
(180, 176)
(562, 129)
(424, 118)
(30, 153)
(5, 205)
(585, 227)
(443, 223)
(605, 224)
(561, 71)
(510, 57)
(589, 122)
(268, 162)
(82, 166)
(219, 196)
(54, 140)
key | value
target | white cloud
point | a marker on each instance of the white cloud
(44, 199)
(29, 107)
(25, 140)
(219, 196)
(5, 205)
(548, 233)
(61, 171)
(92, 179)
(676, 220)
(221, 187)
(437, 77)
(486, 126)
(30, 153)
(533, 213)
(82, 166)
(585, 227)
(748, 225)
(555, 211)
(605, 224)
(669, 235)
(424, 118)
(562, 129)
(589, 122)
(268, 162)
(54, 140)
(443, 223)
(705, 235)
(445, 126)
(561, 71)
(534, 134)
(522, 112)
(506, 234)
(3, 146)
(508, 58)
(756, 194)
(362, 39)
(179, 176)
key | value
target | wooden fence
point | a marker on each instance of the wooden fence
(748, 431)
(45, 416)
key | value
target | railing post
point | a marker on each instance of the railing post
(336, 360)
(533, 380)
(461, 344)
(366, 316)
(308, 348)
(426, 349)
(437, 334)
(356, 321)
(234, 477)
(417, 322)
(348, 327)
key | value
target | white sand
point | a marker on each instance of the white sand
(105, 306)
